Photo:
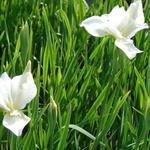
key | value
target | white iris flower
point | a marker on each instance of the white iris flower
(15, 93)
(121, 24)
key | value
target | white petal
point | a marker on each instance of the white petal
(100, 26)
(116, 15)
(16, 122)
(95, 25)
(135, 11)
(127, 47)
(126, 26)
(128, 22)
(113, 31)
(5, 92)
(136, 29)
(121, 22)
(23, 90)
(119, 18)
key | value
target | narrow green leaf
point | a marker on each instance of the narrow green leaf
(81, 130)
(96, 104)
(63, 138)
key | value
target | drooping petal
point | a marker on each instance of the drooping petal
(15, 122)
(5, 92)
(95, 25)
(135, 11)
(127, 47)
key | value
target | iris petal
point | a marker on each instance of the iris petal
(95, 25)
(5, 92)
(23, 90)
(15, 122)
(135, 11)
(128, 48)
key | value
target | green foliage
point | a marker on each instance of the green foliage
(103, 98)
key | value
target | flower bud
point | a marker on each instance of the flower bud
(53, 107)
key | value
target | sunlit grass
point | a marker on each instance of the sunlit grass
(102, 97)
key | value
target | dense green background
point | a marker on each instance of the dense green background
(102, 97)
